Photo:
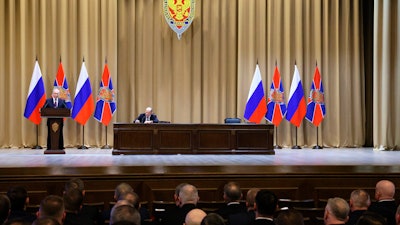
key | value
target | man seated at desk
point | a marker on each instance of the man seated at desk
(147, 117)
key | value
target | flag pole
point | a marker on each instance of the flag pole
(83, 139)
(296, 146)
(317, 146)
(37, 146)
(106, 146)
(276, 139)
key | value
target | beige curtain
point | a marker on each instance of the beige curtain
(202, 78)
(386, 75)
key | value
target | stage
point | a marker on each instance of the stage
(292, 173)
(17, 158)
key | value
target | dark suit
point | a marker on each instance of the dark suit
(386, 209)
(354, 216)
(77, 219)
(142, 118)
(50, 104)
(230, 209)
(263, 222)
(242, 218)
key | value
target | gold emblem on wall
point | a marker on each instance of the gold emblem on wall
(179, 14)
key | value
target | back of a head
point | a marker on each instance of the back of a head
(188, 194)
(338, 207)
(289, 217)
(251, 197)
(5, 207)
(75, 183)
(132, 198)
(18, 221)
(360, 198)
(386, 189)
(371, 218)
(194, 217)
(213, 219)
(121, 190)
(52, 206)
(73, 200)
(46, 221)
(124, 213)
(232, 192)
(18, 196)
(266, 202)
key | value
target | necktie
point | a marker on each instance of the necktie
(55, 103)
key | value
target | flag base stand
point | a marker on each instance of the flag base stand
(296, 147)
(106, 147)
(37, 147)
(277, 147)
(50, 151)
(82, 147)
(317, 147)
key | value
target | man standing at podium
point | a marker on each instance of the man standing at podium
(55, 102)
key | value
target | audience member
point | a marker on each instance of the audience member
(19, 200)
(121, 190)
(52, 206)
(289, 217)
(194, 217)
(397, 217)
(73, 200)
(371, 218)
(213, 219)
(265, 206)
(17, 222)
(176, 194)
(5, 207)
(86, 211)
(385, 204)
(245, 218)
(188, 198)
(359, 203)
(46, 221)
(124, 212)
(232, 196)
(336, 211)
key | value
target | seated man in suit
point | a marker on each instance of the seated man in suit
(147, 117)
(55, 102)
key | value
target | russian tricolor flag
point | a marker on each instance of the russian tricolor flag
(105, 105)
(36, 96)
(296, 107)
(256, 105)
(83, 102)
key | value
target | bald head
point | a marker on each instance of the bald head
(194, 217)
(384, 190)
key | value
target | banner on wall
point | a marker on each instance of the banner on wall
(179, 14)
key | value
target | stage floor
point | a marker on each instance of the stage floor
(103, 157)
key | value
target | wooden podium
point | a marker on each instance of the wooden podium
(55, 118)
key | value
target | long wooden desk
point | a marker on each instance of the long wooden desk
(130, 138)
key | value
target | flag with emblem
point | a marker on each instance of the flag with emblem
(256, 105)
(296, 107)
(105, 105)
(36, 96)
(61, 83)
(276, 107)
(316, 101)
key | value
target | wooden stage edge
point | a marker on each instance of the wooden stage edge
(299, 174)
